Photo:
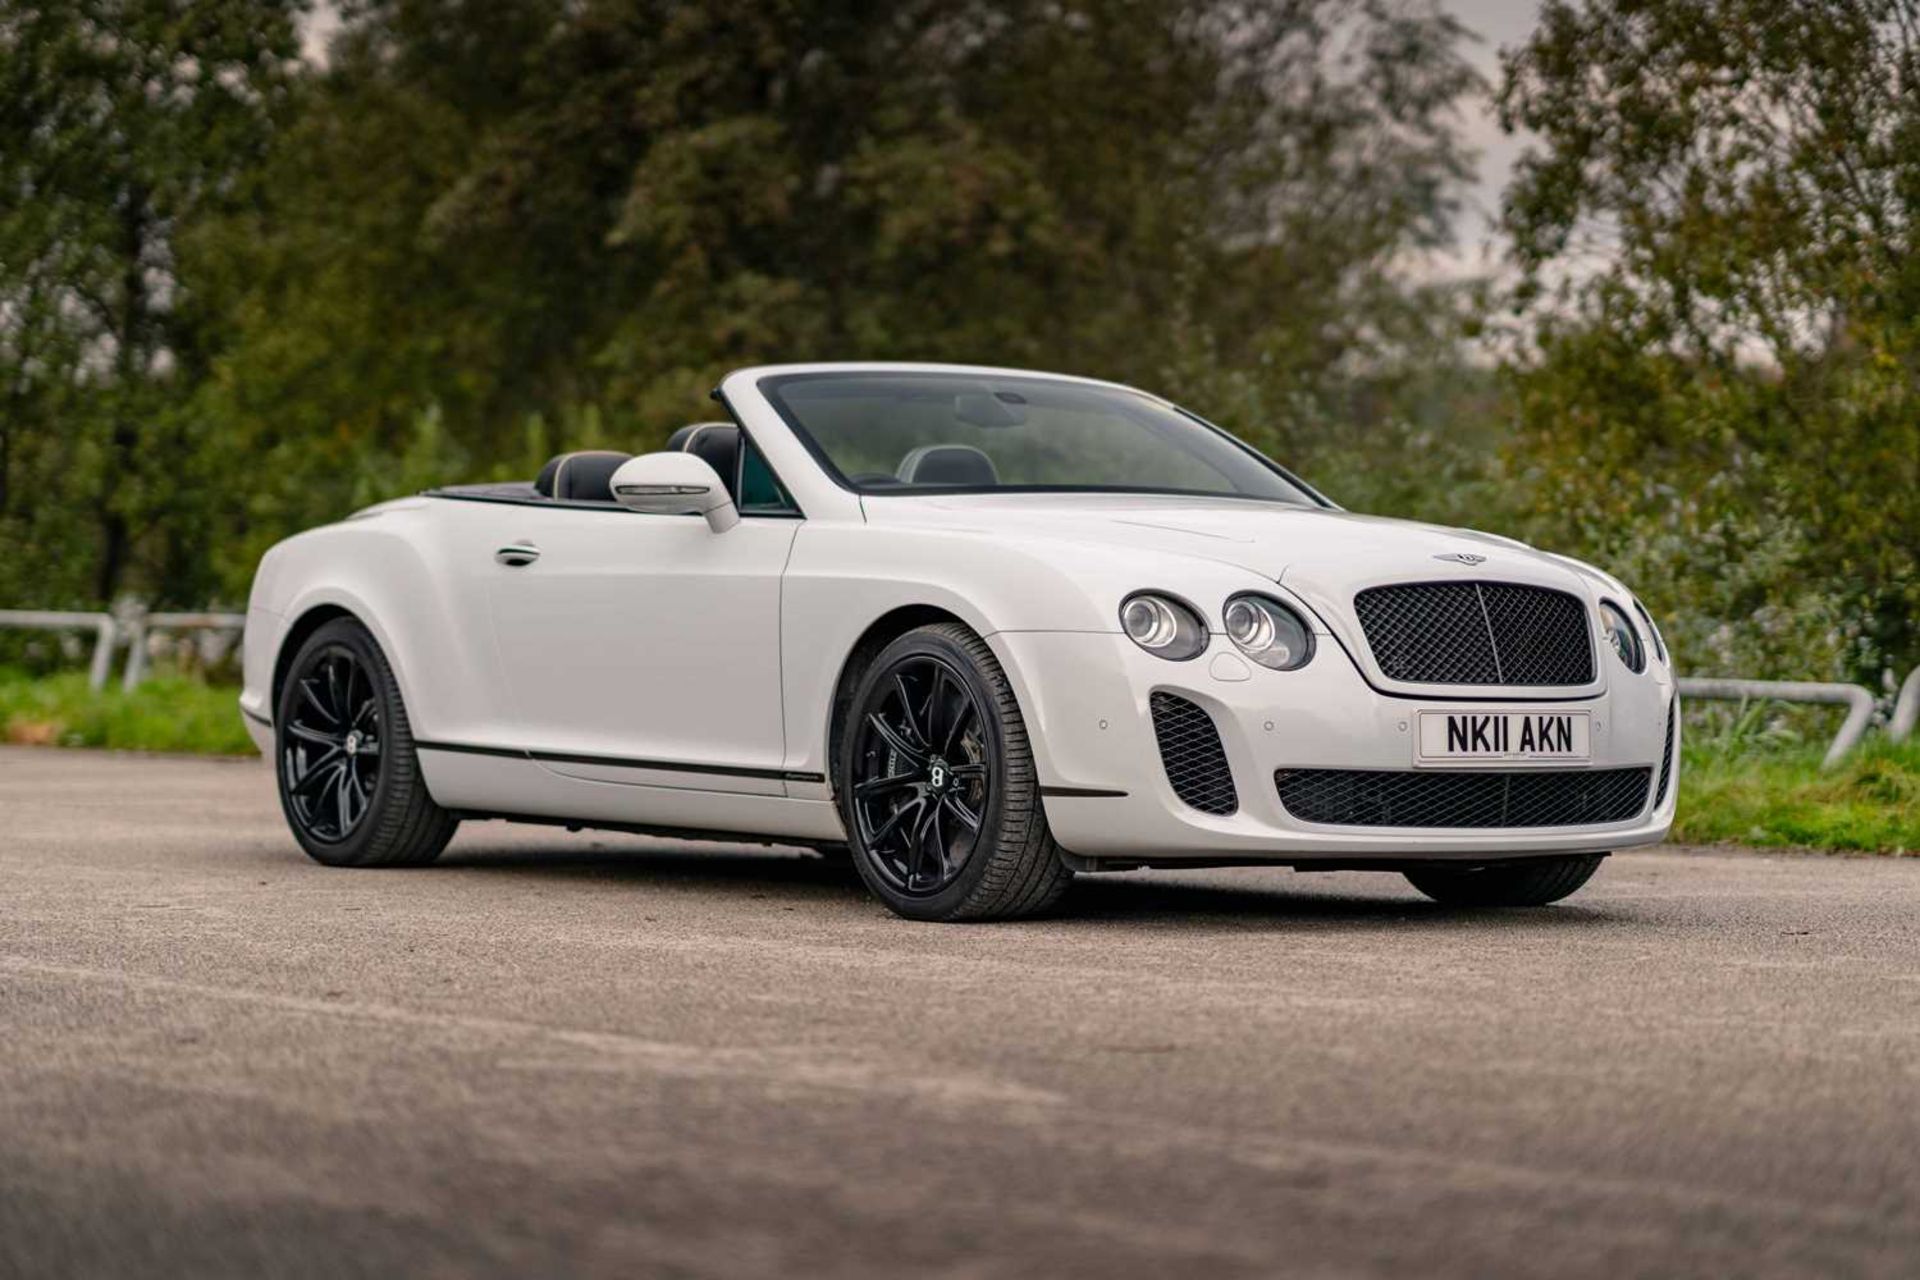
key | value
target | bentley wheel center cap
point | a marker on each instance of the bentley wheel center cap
(353, 743)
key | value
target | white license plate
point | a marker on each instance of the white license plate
(1467, 736)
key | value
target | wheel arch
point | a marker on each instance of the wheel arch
(296, 635)
(879, 633)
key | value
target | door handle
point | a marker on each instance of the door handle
(520, 553)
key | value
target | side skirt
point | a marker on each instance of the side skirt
(635, 829)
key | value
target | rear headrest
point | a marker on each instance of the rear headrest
(585, 476)
(715, 443)
(956, 464)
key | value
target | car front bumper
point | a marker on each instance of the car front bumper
(1085, 697)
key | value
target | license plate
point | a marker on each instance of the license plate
(1466, 736)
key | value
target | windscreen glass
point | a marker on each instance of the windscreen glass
(922, 432)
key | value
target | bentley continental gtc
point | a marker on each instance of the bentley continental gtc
(976, 630)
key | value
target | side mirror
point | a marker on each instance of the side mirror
(675, 484)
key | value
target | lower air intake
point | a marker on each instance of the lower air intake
(1190, 750)
(1666, 755)
(1515, 798)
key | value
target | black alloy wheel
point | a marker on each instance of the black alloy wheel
(349, 776)
(922, 776)
(330, 753)
(936, 784)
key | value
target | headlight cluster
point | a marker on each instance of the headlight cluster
(1622, 636)
(1163, 626)
(1265, 630)
(1268, 632)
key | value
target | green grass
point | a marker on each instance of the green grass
(1760, 796)
(167, 713)
(1734, 788)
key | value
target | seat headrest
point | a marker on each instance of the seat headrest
(585, 476)
(715, 443)
(955, 464)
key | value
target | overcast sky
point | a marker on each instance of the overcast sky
(1498, 23)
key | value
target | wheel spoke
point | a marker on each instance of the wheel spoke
(312, 697)
(343, 800)
(962, 717)
(917, 841)
(878, 786)
(893, 738)
(887, 828)
(315, 736)
(968, 770)
(336, 695)
(916, 731)
(318, 771)
(937, 835)
(958, 808)
(935, 714)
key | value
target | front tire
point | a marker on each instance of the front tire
(1533, 883)
(349, 777)
(937, 787)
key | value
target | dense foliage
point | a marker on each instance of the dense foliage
(242, 291)
(1721, 397)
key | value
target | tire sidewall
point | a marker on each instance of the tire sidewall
(350, 635)
(929, 643)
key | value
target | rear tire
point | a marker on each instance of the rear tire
(1532, 883)
(936, 785)
(349, 776)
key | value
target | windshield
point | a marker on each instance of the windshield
(885, 432)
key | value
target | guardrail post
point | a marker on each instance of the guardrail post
(104, 636)
(1906, 708)
(133, 621)
(1858, 701)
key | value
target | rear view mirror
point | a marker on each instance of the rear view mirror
(675, 484)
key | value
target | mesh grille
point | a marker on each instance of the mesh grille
(1666, 755)
(1190, 750)
(1477, 633)
(1380, 798)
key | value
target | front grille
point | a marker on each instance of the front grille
(1476, 798)
(1488, 633)
(1666, 755)
(1190, 750)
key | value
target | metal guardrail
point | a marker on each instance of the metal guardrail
(1852, 696)
(1906, 708)
(106, 633)
(138, 626)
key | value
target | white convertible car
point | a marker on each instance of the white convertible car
(977, 629)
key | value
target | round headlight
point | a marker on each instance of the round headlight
(1622, 636)
(1163, 626)
(1268, 632)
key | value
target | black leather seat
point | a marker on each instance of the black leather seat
(585, 476)
(715, 443)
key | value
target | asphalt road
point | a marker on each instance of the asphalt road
(557, 1054)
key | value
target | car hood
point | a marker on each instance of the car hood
(1324, 555)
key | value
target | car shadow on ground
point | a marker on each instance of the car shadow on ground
(1132, 898)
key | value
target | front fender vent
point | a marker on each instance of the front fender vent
(1190, 750)
(1666, 755)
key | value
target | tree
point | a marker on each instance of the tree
(124, 122)
(591, 213)
(1736, 364)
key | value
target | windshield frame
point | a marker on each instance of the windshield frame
(770, 385)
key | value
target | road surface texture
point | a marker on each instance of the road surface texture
(558, 1054)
